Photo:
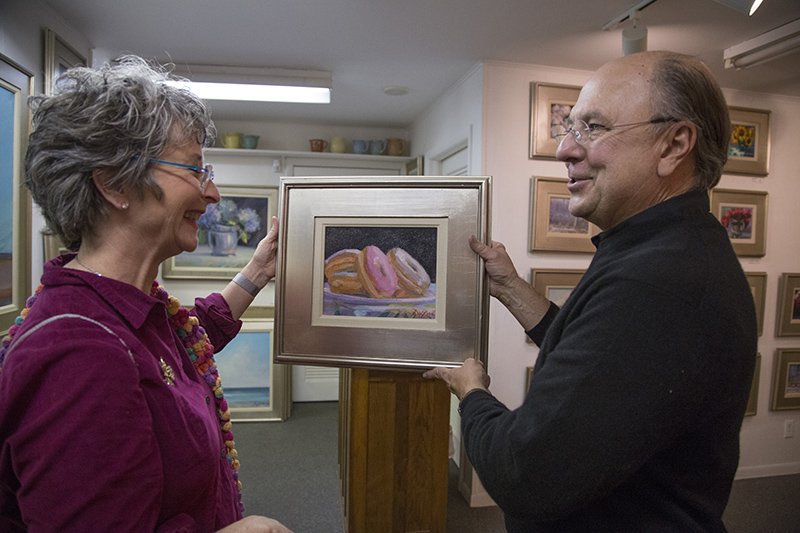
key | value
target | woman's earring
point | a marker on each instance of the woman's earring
(124, 205)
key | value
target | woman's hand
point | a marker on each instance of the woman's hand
(259, 270)
(256, 524)
(262, 266)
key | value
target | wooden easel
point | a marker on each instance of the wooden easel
(393, 451)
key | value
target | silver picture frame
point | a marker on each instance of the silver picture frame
(444, 327)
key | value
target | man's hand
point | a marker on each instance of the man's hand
(519, 297)
(471, 375)
(498, 264)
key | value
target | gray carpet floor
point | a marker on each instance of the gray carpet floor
(289, 473)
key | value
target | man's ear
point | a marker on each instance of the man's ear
(677, 150)
(117, 198)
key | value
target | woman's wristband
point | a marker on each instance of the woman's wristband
(246, 284)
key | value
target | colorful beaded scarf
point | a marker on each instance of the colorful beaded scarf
(195, 340)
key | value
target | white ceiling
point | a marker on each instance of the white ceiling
(426, 45)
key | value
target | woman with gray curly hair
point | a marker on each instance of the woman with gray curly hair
(105, 381)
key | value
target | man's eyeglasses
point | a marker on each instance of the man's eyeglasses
(203, 175)
(585, 133)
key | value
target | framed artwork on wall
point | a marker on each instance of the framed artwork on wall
(555, 284)
(528, 377)
(416, 167)
(377, 272)
(52, 246)
(744, 215)
(228, 233)
(786, 379)
(255, 388)
(787, 323)
(748, 151)
(758, 286)
(16, 84)
(58, 57)
(553, 228)
(550, 109)
(752, 402)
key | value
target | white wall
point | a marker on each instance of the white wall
(452, 119)
(505, 156)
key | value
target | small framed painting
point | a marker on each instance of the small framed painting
(744, 215)
(227, 235)
(528, 377)
(553, 228)
(551, 106)
(377, 272)
(555, 284)
(788, 321)
(752, 402)
(758, 286)
(58, 57)
(16, 84)
(255, 388)
(748, 151)
(786, 379)
(416, 166)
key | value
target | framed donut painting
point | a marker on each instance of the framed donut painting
(378, 272)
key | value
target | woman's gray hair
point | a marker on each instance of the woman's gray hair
(116, 117)
(686, 90)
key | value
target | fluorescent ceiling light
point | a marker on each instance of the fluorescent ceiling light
(771, 45)
(255, 84)
(748, 7)
(248, 92)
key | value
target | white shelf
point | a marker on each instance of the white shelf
(243, 152)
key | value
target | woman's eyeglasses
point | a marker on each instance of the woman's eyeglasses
(202, 174)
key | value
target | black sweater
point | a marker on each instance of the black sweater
(632, 419)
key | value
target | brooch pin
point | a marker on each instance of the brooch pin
(169, 375)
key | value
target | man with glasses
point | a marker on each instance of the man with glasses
(631, 421)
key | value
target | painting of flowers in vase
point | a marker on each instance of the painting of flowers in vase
(227, 234)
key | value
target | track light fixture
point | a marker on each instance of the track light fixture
(634, 36)
(748, 7)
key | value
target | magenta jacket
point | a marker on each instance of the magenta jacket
(93, 439)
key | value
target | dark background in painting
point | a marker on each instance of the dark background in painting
(419, 242)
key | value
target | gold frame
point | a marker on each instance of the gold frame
(545, 279)
(784, 359)
(758, 163)
(756, 245)
(58, 57)
(758, 286)
(20, 84)
(172, 269)
(752, 401)
(543, 96)
(543, 191)
(789, 288)
(416, 166)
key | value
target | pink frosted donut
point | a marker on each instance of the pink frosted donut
(412, 279)
(375, 273)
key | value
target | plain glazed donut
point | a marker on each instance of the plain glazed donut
(375, 273)
(343, 260)
(412, 279)
(340, 270)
